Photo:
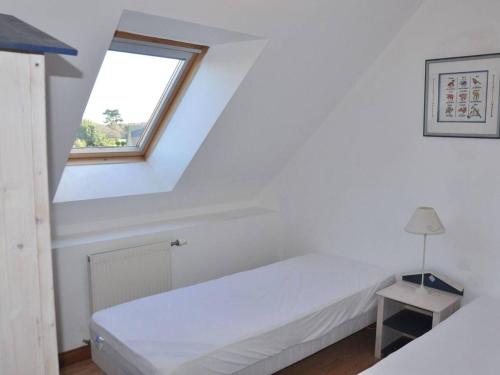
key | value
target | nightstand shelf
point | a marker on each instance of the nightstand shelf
(409, 322)
(396, 345)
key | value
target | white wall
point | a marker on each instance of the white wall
(353, 186)
(215, 248)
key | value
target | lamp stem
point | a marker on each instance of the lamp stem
(423, 263)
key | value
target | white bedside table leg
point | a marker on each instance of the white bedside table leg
(380, 327)
(385, 335)
(439, 317)
(436, 319)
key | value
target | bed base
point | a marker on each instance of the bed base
(112, 363)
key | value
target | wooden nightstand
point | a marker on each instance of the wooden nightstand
(404, 315)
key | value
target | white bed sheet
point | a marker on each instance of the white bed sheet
(466, 343)
(113, 364)
(225, 325)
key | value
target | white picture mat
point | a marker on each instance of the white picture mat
(436, 67)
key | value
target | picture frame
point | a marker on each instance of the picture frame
(462, 96)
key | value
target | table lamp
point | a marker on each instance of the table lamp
(424, 221)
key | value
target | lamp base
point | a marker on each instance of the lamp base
(421, 290)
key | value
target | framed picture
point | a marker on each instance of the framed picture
(462, 97)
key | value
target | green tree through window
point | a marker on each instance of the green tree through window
(112, 117)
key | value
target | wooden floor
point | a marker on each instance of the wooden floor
(347, 357)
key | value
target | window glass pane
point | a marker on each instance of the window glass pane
(127, 90)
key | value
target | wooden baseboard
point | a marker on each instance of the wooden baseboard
(73, 356)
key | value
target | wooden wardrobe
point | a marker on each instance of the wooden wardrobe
(28, 343)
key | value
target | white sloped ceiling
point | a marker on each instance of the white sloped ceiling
(317, 49)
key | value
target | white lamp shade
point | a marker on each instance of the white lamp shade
(425, 220)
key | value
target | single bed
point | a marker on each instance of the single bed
(253, 322)
(465, 343)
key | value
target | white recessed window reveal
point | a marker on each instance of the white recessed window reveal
(153, 104)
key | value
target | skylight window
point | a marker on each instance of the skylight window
(136, 88)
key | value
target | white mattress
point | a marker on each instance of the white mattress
(223, 326)
(465, 343)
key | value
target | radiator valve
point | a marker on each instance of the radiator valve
(178, 243)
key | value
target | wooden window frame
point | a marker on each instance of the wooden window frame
(112, 155)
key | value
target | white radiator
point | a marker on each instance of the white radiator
(123, 275)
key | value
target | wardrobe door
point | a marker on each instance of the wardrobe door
(27, 320)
